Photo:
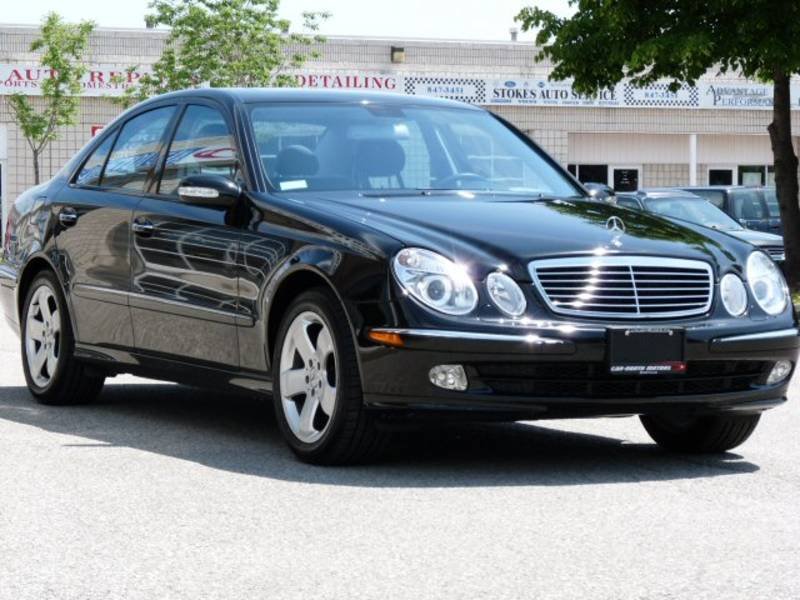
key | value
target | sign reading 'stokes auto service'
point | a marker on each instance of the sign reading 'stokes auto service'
(99, 80)
(541, 92)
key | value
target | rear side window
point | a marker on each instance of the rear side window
(716, 197)
(136, 150)
(748, 206)
(203, 144)
(628, 202)
(93, 167)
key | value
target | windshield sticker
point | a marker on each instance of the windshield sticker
(296, 184)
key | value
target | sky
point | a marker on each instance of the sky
(449, 19)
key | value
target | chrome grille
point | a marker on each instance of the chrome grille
(627, 287)
(776, 253)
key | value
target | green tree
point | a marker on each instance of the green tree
(605, 41)
(224, 43)
(62, 46)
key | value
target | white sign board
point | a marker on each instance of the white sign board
(99, 80)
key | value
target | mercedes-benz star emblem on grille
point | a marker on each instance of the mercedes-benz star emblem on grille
(615, 224)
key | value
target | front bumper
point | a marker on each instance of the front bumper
(559, 370)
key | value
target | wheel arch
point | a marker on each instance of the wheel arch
(37, 264)
(32, 268)
(291, 285)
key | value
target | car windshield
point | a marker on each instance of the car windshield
(385, 148)
(693, 210)
(772, 202)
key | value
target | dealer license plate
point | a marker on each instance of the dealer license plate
(646, 351)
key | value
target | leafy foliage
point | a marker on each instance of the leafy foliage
(62, 46)
(224, 43)
(608, 40)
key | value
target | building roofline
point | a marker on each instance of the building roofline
(345, 37)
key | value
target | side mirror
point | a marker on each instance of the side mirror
(209, 190)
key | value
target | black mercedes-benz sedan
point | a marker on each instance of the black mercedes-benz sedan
(365, 258)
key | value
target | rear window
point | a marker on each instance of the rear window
(748, 205)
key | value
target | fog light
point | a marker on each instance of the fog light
(449, 377)
(780, 371)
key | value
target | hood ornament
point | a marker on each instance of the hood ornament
(615, 225)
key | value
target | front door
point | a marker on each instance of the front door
(184, 289)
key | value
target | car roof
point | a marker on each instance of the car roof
(257, 95)
(663, 193)
(722, 188)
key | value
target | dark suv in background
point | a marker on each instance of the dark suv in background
(685, 206)
(748, 205)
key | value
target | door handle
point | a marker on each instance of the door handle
(143, 227)
(67, 217)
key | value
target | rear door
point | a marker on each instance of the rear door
(184, 288)
(94, 213)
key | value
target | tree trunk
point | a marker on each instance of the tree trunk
(35, 167)
(786, 184)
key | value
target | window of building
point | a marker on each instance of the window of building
(92, 169)
(756, 175)
(590, 173)
(625, 179)
(136, 150)
(720, 177)
(203, 144)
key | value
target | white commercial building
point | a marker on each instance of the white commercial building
(629, 137)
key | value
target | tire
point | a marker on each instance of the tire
(335, 428)
(48, 348)
(700, 435)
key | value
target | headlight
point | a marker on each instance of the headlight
(435, 281)
(734, 296)
(767, 284)
(506, 294)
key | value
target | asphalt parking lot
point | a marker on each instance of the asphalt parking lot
(161, 491)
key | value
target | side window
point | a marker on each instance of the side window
(628, 202)
(93, 167)
(203, 144)
(717, 198)
(748, 205)
(136, 150)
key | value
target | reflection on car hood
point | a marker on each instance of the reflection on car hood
(515, 230)
(758, 238)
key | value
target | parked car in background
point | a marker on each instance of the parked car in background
(747, 205)
(355, 259)
(686, 206)
(600, 191)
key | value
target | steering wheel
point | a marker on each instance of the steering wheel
(454, 179)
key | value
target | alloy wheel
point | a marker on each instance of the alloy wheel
(43, 336)
(308, 377)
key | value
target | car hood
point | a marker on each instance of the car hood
(490, 230)
(757, 238)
